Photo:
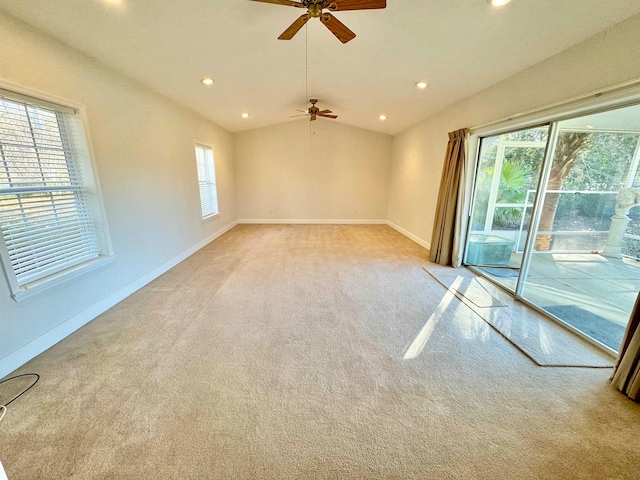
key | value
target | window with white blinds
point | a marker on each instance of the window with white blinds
(207, 181)
(45, 213)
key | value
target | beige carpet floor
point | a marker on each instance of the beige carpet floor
(309, 352)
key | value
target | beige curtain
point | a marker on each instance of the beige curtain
(626, 376)
(442, 240)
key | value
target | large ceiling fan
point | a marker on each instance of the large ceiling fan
(314, 112)
(315, 9)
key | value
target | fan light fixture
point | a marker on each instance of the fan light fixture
(207, 81)
(498, 3)
(314, 112)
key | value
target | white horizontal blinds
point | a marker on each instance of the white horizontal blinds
(44, 218)
(207, 180)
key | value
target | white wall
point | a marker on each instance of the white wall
(312, 170)
(143, 145)
(417, 158)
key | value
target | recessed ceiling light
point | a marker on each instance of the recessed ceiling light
(498, 3)
(383, 117)
(207, 81)
(245, 115)
(422, 85)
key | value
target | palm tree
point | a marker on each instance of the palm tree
(515, 179)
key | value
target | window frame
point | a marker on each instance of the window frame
(90, 184)
(612, 98)
(205, 145)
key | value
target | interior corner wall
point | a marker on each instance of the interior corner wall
(144, 153)
(604, 60)
(304, 171)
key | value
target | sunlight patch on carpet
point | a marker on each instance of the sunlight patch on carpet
(423, 337)
(471, 288)
(539, 338)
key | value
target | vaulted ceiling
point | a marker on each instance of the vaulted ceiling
(459, 46)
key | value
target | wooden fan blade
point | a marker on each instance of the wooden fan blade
(328, 116)
(295, 27)
(325, 111)
(288, 3)
(341, 5)
(337, 28)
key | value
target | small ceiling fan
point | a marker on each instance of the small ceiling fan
(315, 9)
(314, 112)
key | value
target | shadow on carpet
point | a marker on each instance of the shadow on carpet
(538, 337)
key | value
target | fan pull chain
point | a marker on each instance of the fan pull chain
(306, 75)
(306, 62)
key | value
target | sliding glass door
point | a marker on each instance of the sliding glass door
(508, 174)
(571, 189)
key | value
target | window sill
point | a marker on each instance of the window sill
(55, 279)
(211, 217)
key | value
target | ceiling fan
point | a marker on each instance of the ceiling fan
(315, 9)
(314, 112)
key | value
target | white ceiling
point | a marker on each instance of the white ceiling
(459, 46)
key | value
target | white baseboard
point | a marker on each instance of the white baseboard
(289, 221)
(409, 235)
(21, 356)
(301, 221)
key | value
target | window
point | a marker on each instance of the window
(207, 181)
(556, 218)
(49, 219)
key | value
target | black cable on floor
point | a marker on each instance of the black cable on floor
(25, 390)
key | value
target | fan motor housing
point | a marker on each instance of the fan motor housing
(315, 10)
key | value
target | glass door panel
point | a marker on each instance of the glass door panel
(584, 267)
(508, 173)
